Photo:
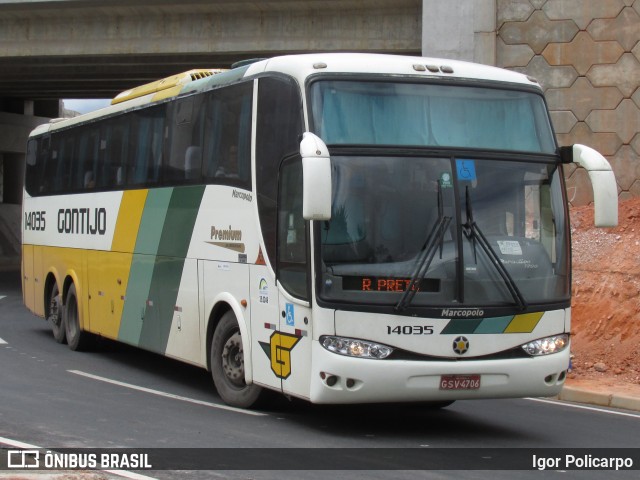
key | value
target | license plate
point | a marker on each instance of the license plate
(459, 382)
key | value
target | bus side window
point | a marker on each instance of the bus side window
(119, 153)
(31, 173)
(279, 124)
(86, 161)
(227, 147)
(184, 159)
(65, 146)
(292, 234)
(148, 130)
(114, 139)
(48, 163)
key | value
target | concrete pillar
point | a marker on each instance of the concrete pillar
(460, 30)
(45, 108)
(13, 178)
(28, 107)
(17, 119)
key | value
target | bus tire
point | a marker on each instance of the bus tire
(77, 339)
(227, 364)
(55, 315)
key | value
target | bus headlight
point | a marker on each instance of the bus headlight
(548, 345)
(355, 348)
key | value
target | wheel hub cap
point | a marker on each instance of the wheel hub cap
(233, 359)
(54, 312)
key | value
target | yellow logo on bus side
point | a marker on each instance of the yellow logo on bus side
(279, 352)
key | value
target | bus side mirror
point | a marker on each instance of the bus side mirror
(316, 178)
(603, 182)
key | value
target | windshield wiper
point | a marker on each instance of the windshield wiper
(473, 232)
(428, 251)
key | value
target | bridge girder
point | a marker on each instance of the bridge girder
(75, 49)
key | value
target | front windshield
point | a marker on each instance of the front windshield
(385, 207)
(355, 112)
(484, 228)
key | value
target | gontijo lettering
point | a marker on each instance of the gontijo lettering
(87, 221)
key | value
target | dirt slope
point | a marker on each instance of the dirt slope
(606, 297)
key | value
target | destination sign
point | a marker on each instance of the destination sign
(388, 284)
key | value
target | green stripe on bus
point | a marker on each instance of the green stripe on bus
(181, 217)
(133, 312)
(152, 222)
(461, 325)
(169, 264)
(143, 265)
(494, 324)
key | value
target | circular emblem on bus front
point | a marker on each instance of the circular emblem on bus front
(461, 345)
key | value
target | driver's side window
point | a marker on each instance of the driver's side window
(292, 231)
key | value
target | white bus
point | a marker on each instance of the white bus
(342, 228)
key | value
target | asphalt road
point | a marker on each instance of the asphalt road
(116, 396)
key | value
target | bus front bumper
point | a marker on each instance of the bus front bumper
(341, 379)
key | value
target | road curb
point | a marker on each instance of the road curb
(615, 400)
(629, 403)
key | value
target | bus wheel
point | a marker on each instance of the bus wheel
(54, 315)
(76, 338)
(227, 365)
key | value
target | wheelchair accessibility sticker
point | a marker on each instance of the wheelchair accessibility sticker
(289, 314)
(466, 169)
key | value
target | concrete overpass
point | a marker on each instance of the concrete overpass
(56, 49)
(83, 48)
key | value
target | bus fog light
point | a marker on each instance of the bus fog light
(548, 345)
(355, 348)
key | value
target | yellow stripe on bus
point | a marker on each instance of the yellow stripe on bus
(524, 323)
(128, 223)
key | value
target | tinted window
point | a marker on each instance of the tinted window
(63, 159)
(398, 113)
(85, 163)
(168, 144)
(146, 162)
(227, 138)
(114, 153)
(292, 232)
(278, 128)
(184, 162)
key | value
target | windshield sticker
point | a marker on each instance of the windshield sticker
(445, 180)
(466, 169)
(509, 247)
